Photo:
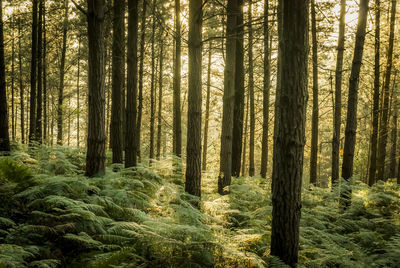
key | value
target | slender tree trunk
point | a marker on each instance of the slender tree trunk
(78, 106)
(224, 178)
(177, 129)
(96, 138)
(32, 107)
(4, 135)
(314, 124)
(21, 84)
(207, 115)
(141, 60)
(38, 133)
(193, 148)
(152, 89)
(351, 122)
(45, 125)
(251, 94)
(108, 98)
(246, 123)
(375, 109)
(130, 139)
(13, 119)
(238, 110)
(118, 76)
(62, 74)
(393, 136)
(160, 96)
(290, 138)
(266, 93)
(383, 131)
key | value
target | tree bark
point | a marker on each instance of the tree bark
(392, 173)
(224, 178)
(266, 94)
(96, 139)
(193, 148)
(351, 122)
(160, 96)
(207, 115)
(78, 106)
(45, 125)
(38, 133)
(383, 131)
(32, 107)
(251, 94)
(4, 135)
(118, 76)
(12, 85)
(152, 88)
(21, 84)
(246, 124)
(290, 138)
(314, 123)
(177, 129)
(130, 139)
(238, 110)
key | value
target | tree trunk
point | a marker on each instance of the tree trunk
(141, 59)
(177, 129)
(392, 173)
(351, 122)
(78, 107)
(32, 107)
(207, 115)
(251, 94)
(38, 133)
(152, 89)
(238, 110)
(383, 129)
(290, 138)
(224, 178)
(21, 84)
(314, 123)
(96, 139)
(62, 74)
(246, 123)
(193, 148)
(45, 126)
(12, 85)
(4, 135)
(130, 139)
(266, 93)
(118, 76)
(160, 96)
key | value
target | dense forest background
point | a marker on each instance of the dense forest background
(192, 133)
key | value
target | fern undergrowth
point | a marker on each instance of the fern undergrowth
(53, 216)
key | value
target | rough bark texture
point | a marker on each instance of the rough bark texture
(177, 129)
(21, 84)
(266, 95)
(224, 178)
(96, 138)
(38, 131)
(4, 135)
(153, 84)
(290, 136)
(193, 148)
(238, 110)
(351, 122)
(383, 128)
(118, 76)
(314, 122)
(62, 75)
(160, 97)
(375, 108)
(251, 94)
(141, 60)
(32, 106)
(130, 139)
(207, 114)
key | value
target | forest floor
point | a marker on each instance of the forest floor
(53, 216)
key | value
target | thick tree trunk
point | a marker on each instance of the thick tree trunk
(32, 107)
(38, 133)
(224, 178)
(152, 83)
(383, 128)
(96, 139)
(266, 94)
(130, 139)
(62, 74)
(238, 110)
(351, 122)
(251, 94)
(177, 129)
(118, 76)
(4, 135)
(290, 136)
(160, 97)
(314, 122)
(21, 84)
(207, 115)
(193, 148)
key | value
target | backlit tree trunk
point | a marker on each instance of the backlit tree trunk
(21, 84)
(251, 95)
(207, 115)
(177, 129)
(32, 106)
(4, 135)
(160, 99)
